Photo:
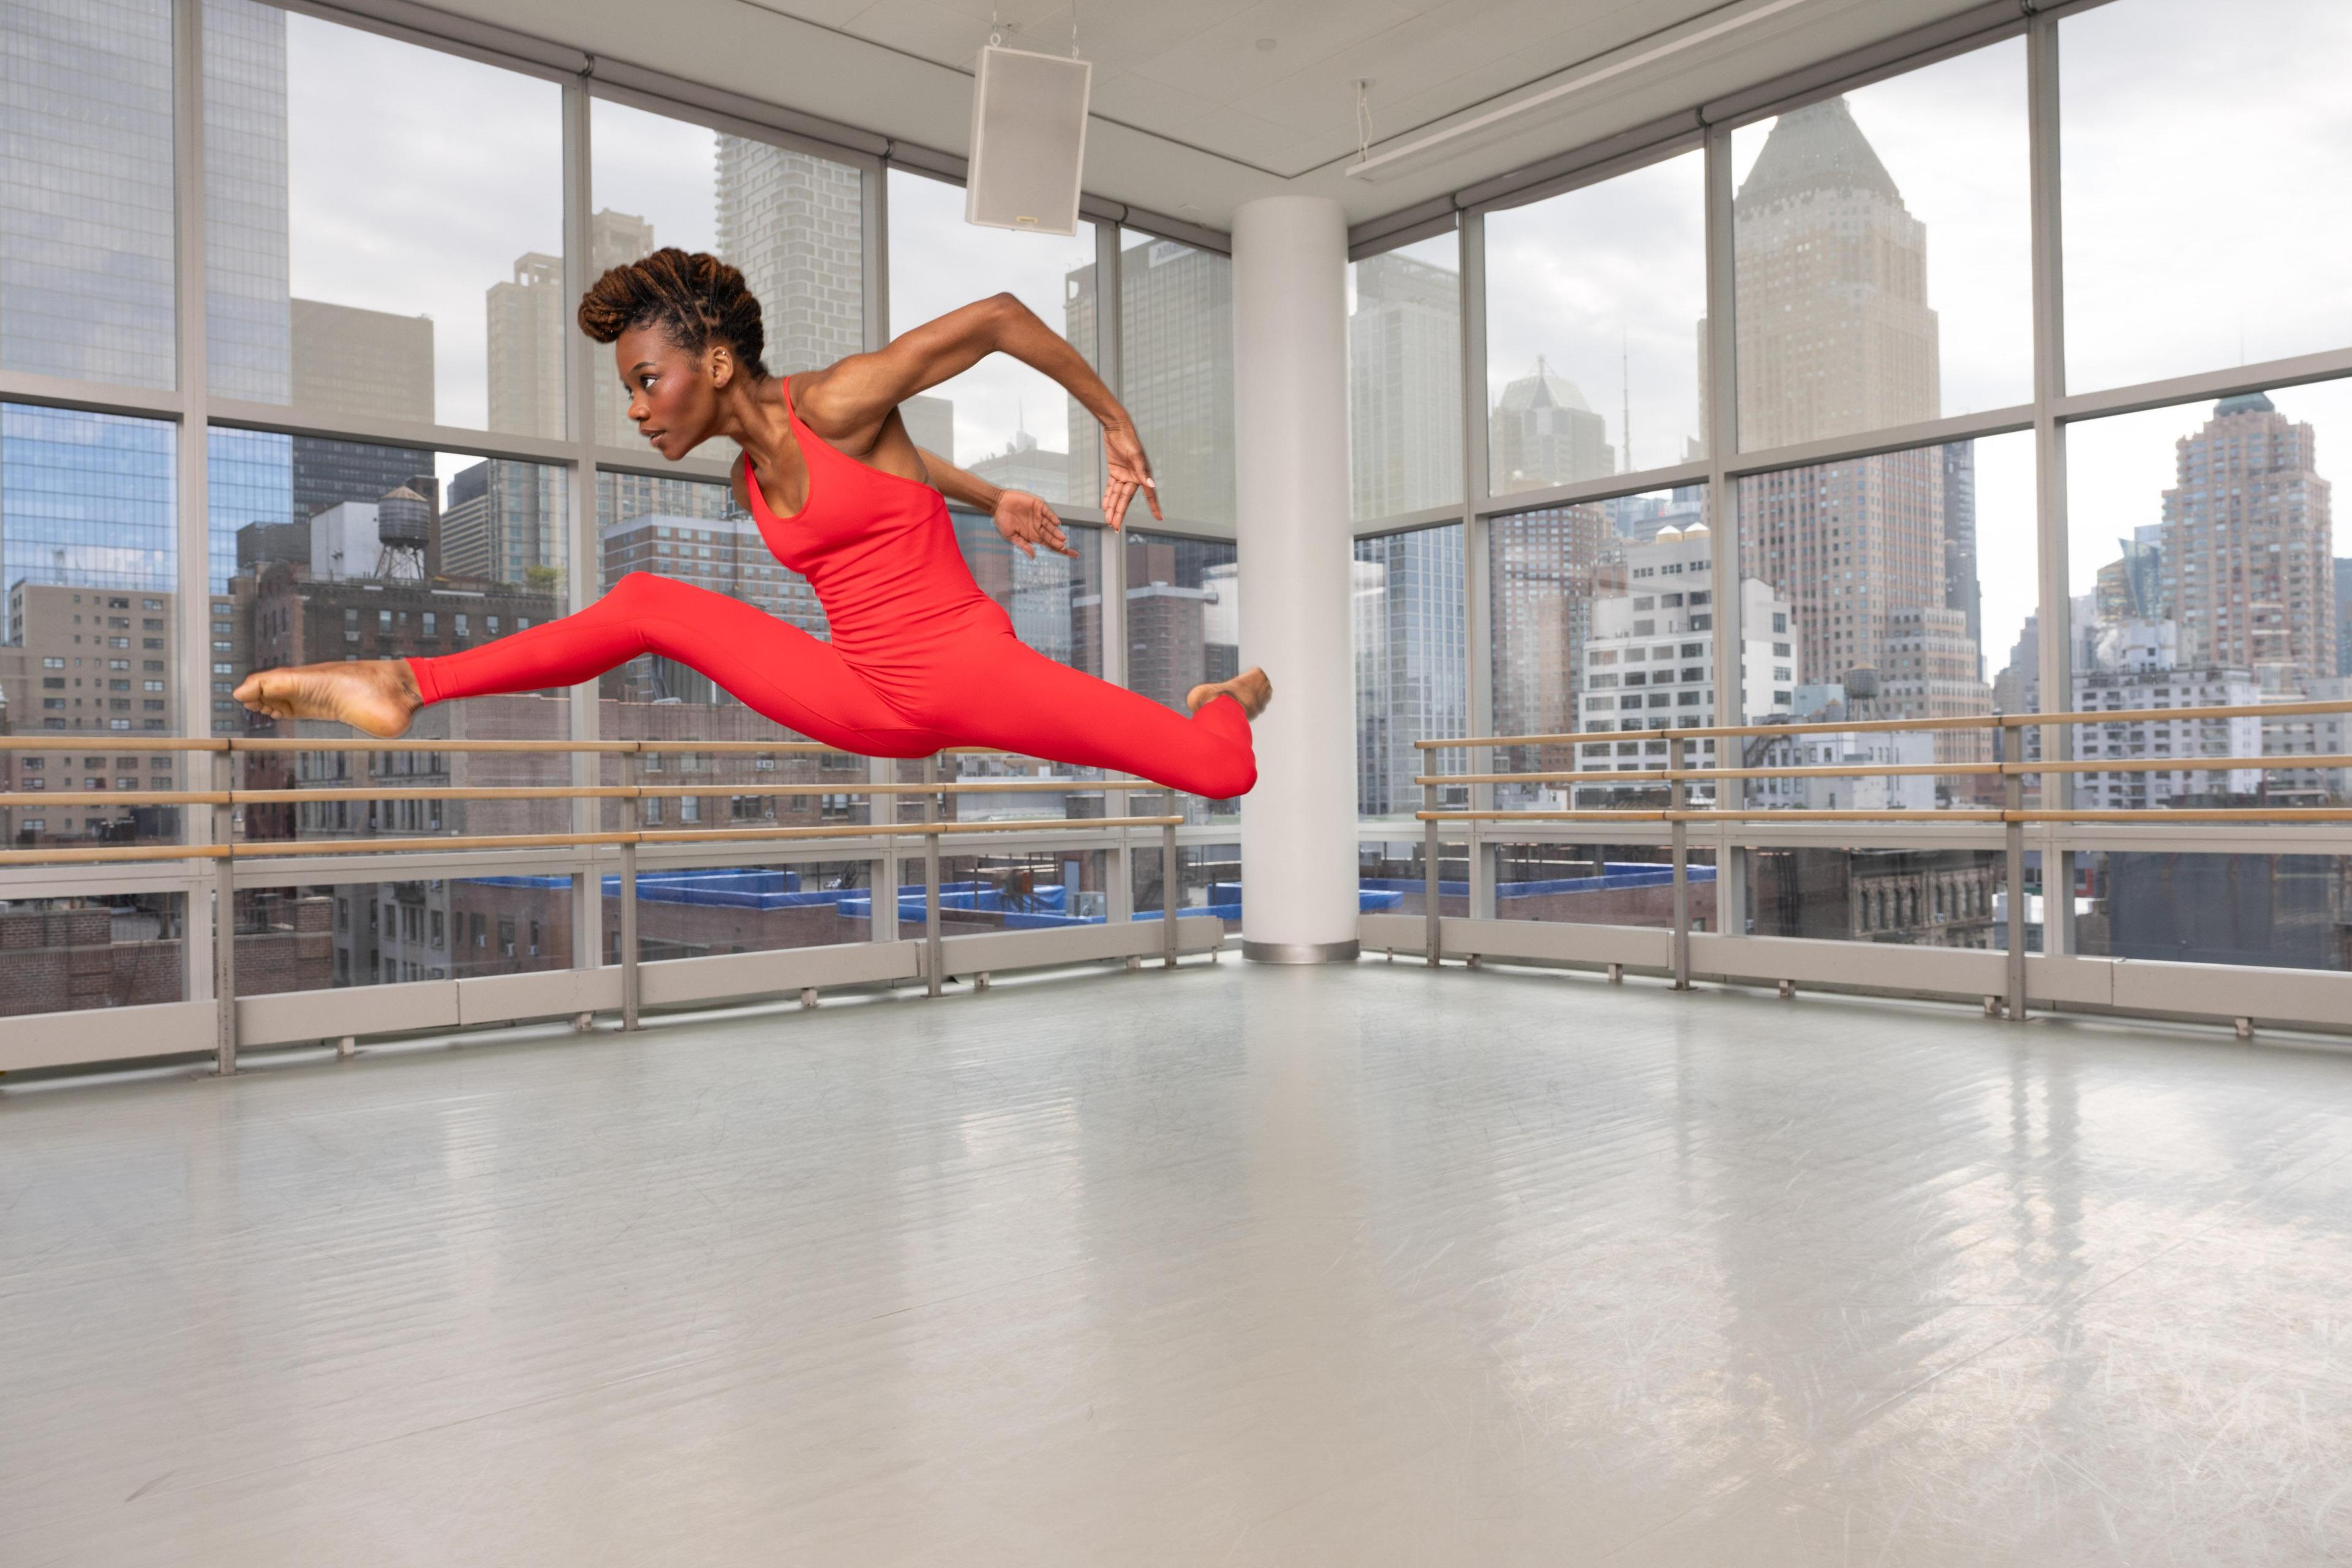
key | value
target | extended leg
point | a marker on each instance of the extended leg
(1010, 695)
(776, 669)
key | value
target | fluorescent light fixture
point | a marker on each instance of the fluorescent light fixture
(1474, 132)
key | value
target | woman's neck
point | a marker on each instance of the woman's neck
(752, 414)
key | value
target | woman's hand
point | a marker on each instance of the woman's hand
(1125, 470)
(1028, 523)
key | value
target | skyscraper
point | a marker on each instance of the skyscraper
(1834, 330)
(1425, 678)
(2344, 614)
(1835, 336)
(529, 322)
(1176, 319)
(504, 522)
(2248, 565)
(248, 324)
(793, 223)
(86, 211)
(1962, 591)
(1543, 569)
(1545, 433)
(1404, 386)
(362, 364)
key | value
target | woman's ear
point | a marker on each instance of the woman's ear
(720, 362)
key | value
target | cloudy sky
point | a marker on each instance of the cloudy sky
(2205, 170)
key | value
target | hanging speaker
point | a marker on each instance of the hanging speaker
(1028, 140)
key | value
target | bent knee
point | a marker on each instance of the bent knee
(1226, 782)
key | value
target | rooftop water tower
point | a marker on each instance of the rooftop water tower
(404, 529)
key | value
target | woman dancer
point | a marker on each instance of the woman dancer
(919, 657)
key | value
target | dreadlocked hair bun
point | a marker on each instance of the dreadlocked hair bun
(692, 295)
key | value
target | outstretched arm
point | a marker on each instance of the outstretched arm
(1021, 518)
(849, 402)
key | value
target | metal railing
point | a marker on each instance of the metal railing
(2012, 814)
(224, 850)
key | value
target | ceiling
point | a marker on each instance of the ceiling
(1200, 105)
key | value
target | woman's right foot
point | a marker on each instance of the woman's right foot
(376, 696)
(1250, 689)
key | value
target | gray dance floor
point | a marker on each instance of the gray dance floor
(1264, 1267)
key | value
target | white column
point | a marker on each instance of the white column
(1290, 403)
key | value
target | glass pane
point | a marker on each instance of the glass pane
(2206, 172)
(86, 209)
(1599, 884)
(2201, 555)
(1871, 588)
(1404, 379)
(1183, 624)
(2284, 912)
(1209, 882)
(1866, 225)
(114, 949)
(981, 419)
(326, 550)
(1919, 898)
(1051, 598)
(388, 215)
(693, 912)
(1586, 597)
(1594, 299)
(792, 221)
(388, 933)
(1412, 678)
(1037, 889)
(90, 554)
(693, 531)
(1176, 337)
(1390, 878)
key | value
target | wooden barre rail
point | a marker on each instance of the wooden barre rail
(315, 797)
(272, 849)
(106, 740)
(1885, 726)
(2277, 762)
(2259, 816)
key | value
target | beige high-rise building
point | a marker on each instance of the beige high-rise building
(362, 364)
(1835, 336)
(529, 322)
(2247, 566)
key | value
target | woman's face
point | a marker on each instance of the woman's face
(673, 394)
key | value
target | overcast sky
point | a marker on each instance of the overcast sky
(2207, 155)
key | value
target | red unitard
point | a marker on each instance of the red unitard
(919, 657)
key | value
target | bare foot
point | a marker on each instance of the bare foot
(1250, 689)
(376, 696)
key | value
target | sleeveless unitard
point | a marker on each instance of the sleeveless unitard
(919, 657)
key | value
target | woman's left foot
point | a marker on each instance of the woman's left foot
(1250, 689)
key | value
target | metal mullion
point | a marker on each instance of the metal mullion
(1609, 487)
(1875, 443)
(1477, 576)
(710, 117)
(874, 223)
(1408, 521)
(1110, 364)
(1590, 164)
(209, 923)
(628, 460)
(91, 397)
(2054, 626)
(1723, 500)
(444, 33)
(239, 413)
(583, 570)
(2268, 375)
